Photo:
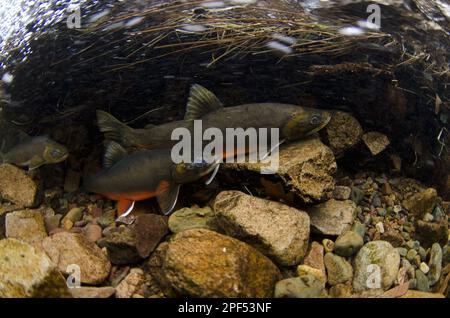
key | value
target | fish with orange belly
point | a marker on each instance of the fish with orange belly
(142, 175)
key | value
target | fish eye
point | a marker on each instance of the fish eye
(315, 120)
(56, 153)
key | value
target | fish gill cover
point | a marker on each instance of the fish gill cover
(137, 59)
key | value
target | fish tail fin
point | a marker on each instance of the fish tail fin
(114, 129)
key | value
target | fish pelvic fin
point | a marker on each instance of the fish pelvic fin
(124, 207)
(114, 129)
(168, 199)
(113, 153)
(201, 102)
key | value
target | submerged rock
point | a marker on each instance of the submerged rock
(339, 271)
(435, 264)
(26, 225)
(348, 243)
(314, 258)
(428, 233)
(332, 217)
(306, 286)
(422, 203)
(92, 292)
(17, 187)
(342, 132)
(305, 167)
(28, 272)
(130, 284)
(376, 142)
(275, 229)
(203, 263)
(192, 218)
(66, 249)
(375, 266)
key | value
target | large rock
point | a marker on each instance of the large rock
(259, 222)
(17, 187)
(339, 271)
(28, 272)
(203, 263)
(376, 257)
(66, 249)
(342, 132)
(305, 167)
(307, 286)
(422, 203)
(27, 226)
(192, 218)
(332, 217)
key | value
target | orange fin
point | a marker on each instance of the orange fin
(124, 207)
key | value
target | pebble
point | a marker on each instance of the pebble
(359, 228)
(332, 217)
(380, 227)
(342, 193)
(107, 218)
(348, 244)
(52, 222)
(314, 258)
(328, 245)
(381, 211)
(130, 284)
(356, 195)
(339, 271)
(306, 286)
(424, 268)
(428, 217)
(402, 251)
(422, 281)
(192, 218)
(93, 232)
(422, 253)
(411, 255)
(435, 264)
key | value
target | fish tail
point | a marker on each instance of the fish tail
(114, 129)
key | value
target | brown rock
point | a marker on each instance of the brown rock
(341, 291)
(150, 230)
(393, 237)
(332, 217)
(314, 258)
(93, 232)
(428, 233)
(92, 292)
(237, 270)
(66, 249)
(305, 167)
(259, 222)
(376, 142)
(422, 203)
(27, 226)
(130, 284)
(17, 187)
(342, 132)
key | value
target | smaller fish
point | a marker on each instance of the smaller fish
(142, 175)
(19, 149)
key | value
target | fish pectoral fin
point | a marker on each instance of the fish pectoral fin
(213, 175)
(168, 199)
(201, 102)
(124, 207)
(34, 163)
(113, 153)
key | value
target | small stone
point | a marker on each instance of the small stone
(376, 201)
(28, 272)
(328, 245)
(386, 189)
(375, 141)
(422, 203)
(314, 258)
(381, 211)
(438, 213)
(259, 223)
(192, 218)
(27, 226)
(303, 270)
(52, 222)
(306, 286)
(348, 244)
(92, 292)
(93, 232)
(359, 228)
(67, 225)
(342, 193)
(393, 237)
(397, 209)
(357, 195)
(108, 218)
(342, 132)
(332, 217)
(424, 268)
(17, 187)
(428, 217)
(423, 254)
(339, 271)
(375, 256)
(130, 285)
(402, 251)
(73, 215)
(411, 255)
(435, 264)
(380, 227)
(341, 291)
(66, 249)
(422, 281)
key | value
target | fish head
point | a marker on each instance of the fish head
(54, 152)
(305, 122)
(192, 171)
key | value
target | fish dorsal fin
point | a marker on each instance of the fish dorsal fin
(168, 199)
(113, 153)
(201, 102)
